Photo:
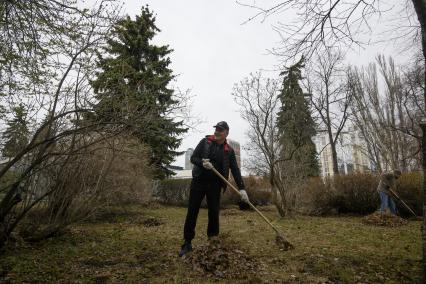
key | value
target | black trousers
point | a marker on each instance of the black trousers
(199, 189)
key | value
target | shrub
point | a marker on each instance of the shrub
(173, 191)
(357, 194)
(109, 173)
(176, 192)
(410, 189)
(258, 190)
(129, 178)
(316, 197)
(7, 180)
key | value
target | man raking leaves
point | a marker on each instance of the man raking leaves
(387, 181)
(386, 190)
(212, 159)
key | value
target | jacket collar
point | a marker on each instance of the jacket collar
(212, 138)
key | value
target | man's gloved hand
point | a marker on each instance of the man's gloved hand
(244, 196)
(207, 165)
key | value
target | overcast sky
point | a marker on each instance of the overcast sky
(213, 51)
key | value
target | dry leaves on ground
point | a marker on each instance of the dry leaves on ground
(222, 258)
(384, 219)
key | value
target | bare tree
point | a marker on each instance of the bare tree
(49, 72)
(259, 100)
(326, 84)
(414, 102)
(320, 24)
(324, 23)
(382, 116)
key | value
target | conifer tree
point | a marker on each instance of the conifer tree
(132, 87)
(297, 128)
(16, 134)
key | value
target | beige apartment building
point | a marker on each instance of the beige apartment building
(351, 154)
(237, 149)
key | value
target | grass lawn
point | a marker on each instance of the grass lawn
(123, 249)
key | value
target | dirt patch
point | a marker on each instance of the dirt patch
(125, 217)
(385, 219)
(112, 216)
(267, 208)
(231, 212)
(152, 222)
(222, 258)
(101, 279)
(97, 263)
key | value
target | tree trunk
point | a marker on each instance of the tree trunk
(332, 145)
(334, 158)
(423, 145)
(275, 200)
(420, 7)
(272, 183)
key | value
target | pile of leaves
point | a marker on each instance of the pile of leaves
(222, 258)
(384, 219)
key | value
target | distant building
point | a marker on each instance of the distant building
(351, 156)
(186, 172)
(182, 174)
(236, 146)
(175, 168)
(188, 154)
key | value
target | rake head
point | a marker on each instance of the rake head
(283, 243)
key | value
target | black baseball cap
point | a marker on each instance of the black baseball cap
(222, 125)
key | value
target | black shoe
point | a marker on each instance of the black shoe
(186, 248)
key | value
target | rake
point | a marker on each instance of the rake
(402, 201)
(280, 240)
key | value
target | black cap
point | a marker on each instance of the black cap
(223, 125)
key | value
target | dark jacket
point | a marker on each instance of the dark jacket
(221, 156)
(387, 180)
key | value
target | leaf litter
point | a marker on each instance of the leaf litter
(152, 222)
(384, 219)
(221, 257)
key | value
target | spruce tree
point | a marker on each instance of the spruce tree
(16, 134)
(297, 128)
(132, 88)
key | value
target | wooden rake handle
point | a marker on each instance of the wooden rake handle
(249, 203)
(402, 201)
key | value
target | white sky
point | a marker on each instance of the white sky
(213, 51)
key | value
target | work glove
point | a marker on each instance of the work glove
(244, 196)
(207, 165)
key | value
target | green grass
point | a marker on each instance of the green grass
(120, 249)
